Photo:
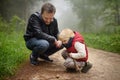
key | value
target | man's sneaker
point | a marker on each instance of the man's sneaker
(33, 60)
(45, 57)
(87, 67)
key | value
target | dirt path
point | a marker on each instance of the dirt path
(106, 66)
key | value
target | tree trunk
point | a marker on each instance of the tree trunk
(117, 14)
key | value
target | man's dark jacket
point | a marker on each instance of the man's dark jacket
(37, 28)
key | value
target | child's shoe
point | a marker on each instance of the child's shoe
(87, 67)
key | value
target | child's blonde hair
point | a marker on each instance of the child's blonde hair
(66, 34)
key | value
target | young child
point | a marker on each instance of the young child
(76, 52)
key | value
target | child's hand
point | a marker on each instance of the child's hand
(70, 54)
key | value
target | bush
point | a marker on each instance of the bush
(13, 52)
(108, 42)
(12, 47)
(15, 24)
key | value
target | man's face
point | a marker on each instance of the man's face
(47, 17)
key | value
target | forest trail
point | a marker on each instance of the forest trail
(106, 66)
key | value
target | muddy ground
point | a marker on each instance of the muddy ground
(106, 66)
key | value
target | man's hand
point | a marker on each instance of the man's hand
(58, 43)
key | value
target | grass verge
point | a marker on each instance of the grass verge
(13, 53)
(107, 42)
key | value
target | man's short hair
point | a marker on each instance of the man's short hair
(48, 7)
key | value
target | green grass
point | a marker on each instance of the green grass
(12, 53)
(107, 42)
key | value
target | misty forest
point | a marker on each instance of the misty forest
(97, 20)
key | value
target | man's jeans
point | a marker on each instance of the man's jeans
(40, 47)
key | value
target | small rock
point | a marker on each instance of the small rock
(57, 76)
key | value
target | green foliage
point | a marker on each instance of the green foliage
(108, 42)
(13, 52)
(117, 29)
(15, 24)
(3, 25)
(12, 46)
(21, 8)
(97, 15)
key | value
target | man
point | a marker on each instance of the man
(41, 34)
